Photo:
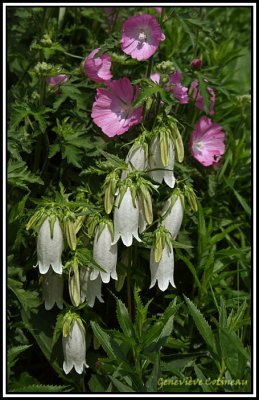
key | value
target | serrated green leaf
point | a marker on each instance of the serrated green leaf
(145, 94)
(42, 389)
(104, 339)
(123, 318)
(28, 299)
(14, 352)
(20, 176)
(202, 325)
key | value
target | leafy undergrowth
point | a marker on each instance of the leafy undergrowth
(193, 338)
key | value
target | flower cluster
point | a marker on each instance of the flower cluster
(128, 189)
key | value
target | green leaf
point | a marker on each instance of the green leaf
(104, 339)
(243, 202)
(42, 389)
(219, 236)
(191, 268)
(20, 176)
(205, 387)
(13, 354)
(145, 94)
(156, 335)
(202, 325)
(96, 384)
(122, 387)
(123, 318)
(203, 236)
(29, 299)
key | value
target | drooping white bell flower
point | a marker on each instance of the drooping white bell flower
(52, 290)
(49, 249)
(105, 254)
(162, 271)
(155, 161)
(136, 159)
(74, 348)
(173, 220)
(90, 289)
(126, 219)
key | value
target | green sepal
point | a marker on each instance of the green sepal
(74, 284)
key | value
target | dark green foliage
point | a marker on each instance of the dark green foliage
(139, 340)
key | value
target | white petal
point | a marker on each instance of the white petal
(67, 367)
(43, 268)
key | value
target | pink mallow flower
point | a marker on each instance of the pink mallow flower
(141, 36)
(198, 98)
(98, 69)
(112, 110)
(207, 142)
(180, 92)
(57, 79)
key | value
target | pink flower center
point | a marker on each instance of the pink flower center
(198, 146)
(126, 110)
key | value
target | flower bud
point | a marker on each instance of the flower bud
(74, 347)
(52, 290)
(49, 249)
(196, 63)
(74, 284)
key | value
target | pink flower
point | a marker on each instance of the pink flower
(141, 36)
(207, 142)
(98, 69)
(158, 10)
(112, 110)
(180, 92)
(57, 79)
(155, 78)
(198, 98)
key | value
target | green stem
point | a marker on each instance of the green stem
(129, 299)
(149, 69)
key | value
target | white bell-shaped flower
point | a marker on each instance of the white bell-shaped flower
(105, 254)
(162, 271)
(49, 249)
(174, 218)
(52, 290)
(155, 161)
(136, 160)
(126, 219)
(74, 349)
(90, 289)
